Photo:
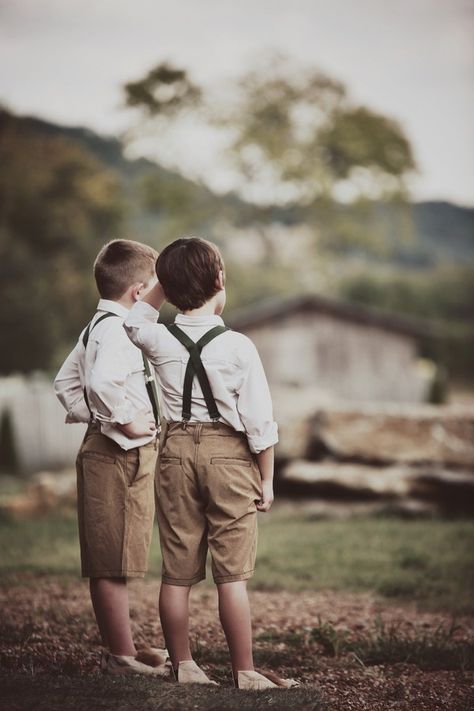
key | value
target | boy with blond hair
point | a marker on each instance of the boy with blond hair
(216, 461)
(105, 382)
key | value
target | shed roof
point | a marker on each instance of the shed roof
(271, 310)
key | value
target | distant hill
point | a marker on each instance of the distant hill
(133, 173)
(446, 228)
(442, 231)
(107, 149)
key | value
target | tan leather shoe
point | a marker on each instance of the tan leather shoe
(118, 664)
(278, 680)
(190, 673)
(254, 681)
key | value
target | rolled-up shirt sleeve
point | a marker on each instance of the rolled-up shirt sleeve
(254, 403)
(69, 388)
(141, 327)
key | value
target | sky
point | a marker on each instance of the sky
(413, 60)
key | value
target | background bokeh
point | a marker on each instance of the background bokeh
(326, 146)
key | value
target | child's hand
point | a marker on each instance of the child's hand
(267, 496)
(144, 424)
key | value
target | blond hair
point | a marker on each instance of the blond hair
(121, 263)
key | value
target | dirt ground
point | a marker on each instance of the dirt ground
(48, 632)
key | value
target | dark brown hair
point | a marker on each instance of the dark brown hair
(120, 264)
(188, 270)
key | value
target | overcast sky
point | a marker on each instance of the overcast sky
(411, 59)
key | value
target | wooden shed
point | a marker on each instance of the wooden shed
(344, 350)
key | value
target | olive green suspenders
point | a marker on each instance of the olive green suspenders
(91, 326)
(150, 383)
(152, 390)
(196, 367)
(85, 341)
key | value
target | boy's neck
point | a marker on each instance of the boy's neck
(125, 301)
(207, 309)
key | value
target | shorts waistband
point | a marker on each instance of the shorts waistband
(203, 428)
(93, 428)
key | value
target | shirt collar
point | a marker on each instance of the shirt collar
(199, 320)
(113, 307)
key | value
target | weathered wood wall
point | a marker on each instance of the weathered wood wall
(346, 360)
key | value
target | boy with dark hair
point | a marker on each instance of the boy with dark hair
(216, 461)
(104, 382)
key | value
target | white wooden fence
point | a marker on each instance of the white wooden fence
(41, 438)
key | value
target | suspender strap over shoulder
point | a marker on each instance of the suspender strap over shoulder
(85, 341)
(149, 379)
(196, 367)
(87, 332)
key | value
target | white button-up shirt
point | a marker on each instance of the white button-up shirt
(111, 370)
(232, 365)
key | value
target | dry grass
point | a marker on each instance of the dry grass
(330, 641)
(360, 611)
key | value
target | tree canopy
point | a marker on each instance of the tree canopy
(290, 134)
(58, 205)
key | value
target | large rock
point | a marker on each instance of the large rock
(294, 409)
(330, 478)
(375, 433)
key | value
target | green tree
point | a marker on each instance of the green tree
(298, 135)
(57, 207)
(293, 137)
(164, 90)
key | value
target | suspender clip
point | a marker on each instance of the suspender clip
(215, 422)
(184, 424)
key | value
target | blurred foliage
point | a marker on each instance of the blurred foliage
(293, 133)
(247, 285)
(295, 143)
(163, 90)
(444, 294)
(297, 132)
(183, 207)
(305, 157)
(57, 207)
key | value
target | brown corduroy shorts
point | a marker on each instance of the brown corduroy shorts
(207, 487)
(115, 503)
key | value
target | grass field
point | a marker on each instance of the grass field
(430, 560)
(368, 614)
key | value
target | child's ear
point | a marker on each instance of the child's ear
(137, 291)
(220, 280)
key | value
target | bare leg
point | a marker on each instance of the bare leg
(96, 606)
(234, 613)
(174, 615)
(110, 601)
